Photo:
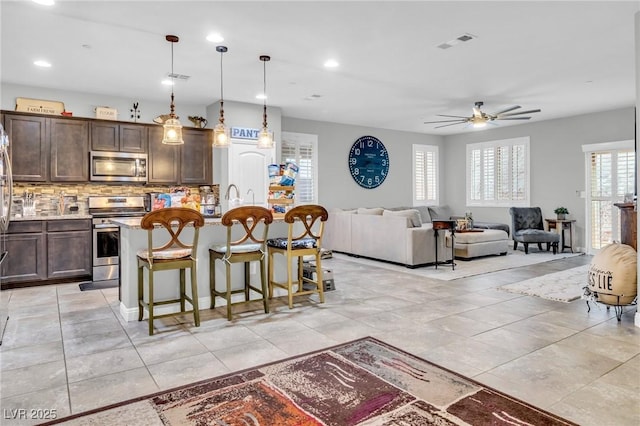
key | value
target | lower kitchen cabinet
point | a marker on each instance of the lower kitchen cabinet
(40, 251)
(68, 248)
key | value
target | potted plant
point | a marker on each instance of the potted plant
(562, 213)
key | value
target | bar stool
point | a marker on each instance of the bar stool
(179, 253)
(308, 242)
(248, 247)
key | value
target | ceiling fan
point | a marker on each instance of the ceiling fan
(481, 118)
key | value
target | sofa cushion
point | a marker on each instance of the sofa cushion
(374, 211)
(440, 213)
(412, 215)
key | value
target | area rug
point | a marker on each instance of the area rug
(466, 268)
(364, 382)
(563, 286)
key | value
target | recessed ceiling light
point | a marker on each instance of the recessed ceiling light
(41, 63)
(45, 2)
(261, 96)
(215, 38)
(331, 63)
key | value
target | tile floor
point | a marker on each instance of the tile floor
(70, 351)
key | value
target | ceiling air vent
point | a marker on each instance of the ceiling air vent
(179, 76)
(464, 37)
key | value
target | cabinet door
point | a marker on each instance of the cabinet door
(69, 254)
(28, 138)
(133, 138)
(163, 164)
(69, 150)
(195, 165)
(26, 258)
(105, 136)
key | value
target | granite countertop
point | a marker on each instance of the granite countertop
(52, 217)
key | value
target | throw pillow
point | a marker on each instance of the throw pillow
(375, 211)
(440, 213)
(412, 215)
(612, 273)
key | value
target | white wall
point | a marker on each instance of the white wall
(336, 187)
(84, 104)
(557, 162)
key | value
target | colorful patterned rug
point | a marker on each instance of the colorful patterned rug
(364, 382)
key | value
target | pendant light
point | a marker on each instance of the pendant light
(172, 126)
(265, 139)
(221, 132)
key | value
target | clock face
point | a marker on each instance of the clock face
(368, 162)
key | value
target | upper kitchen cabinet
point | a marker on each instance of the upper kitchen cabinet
(196, 157)
(28, 138)
(188, 164)
(118, 137)
(45, 149)
(69, 150)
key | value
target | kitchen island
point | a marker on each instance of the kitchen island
(134, 238)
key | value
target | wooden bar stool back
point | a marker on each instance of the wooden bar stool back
(247, 247)
(306, 242)
(178, 253)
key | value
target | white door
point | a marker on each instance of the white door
(248, 170)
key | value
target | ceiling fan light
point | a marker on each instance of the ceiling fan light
(172, 132)
(479, 124)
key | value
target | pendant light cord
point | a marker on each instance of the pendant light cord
(172, 111)
(264, 91)
(221, 119)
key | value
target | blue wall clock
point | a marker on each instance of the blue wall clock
(368, 162)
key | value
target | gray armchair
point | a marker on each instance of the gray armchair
(527, 227)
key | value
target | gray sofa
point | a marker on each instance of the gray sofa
(400, 235)
(445, 213)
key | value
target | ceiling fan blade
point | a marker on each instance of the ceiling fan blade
(457, 116)
(531, 111)
(513, 118)
(507, 110)
(445, 121)
(447, 125)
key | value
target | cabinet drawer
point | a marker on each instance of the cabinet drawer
(68, 225)
(21, 227)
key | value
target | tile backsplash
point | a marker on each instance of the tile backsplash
(47, 196)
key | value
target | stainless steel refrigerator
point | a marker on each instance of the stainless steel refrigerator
(6, 194)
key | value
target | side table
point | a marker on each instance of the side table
(561, 225)
(445, 225)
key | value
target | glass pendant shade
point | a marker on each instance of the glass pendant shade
(265, 139)
(172, 126)
(221, 134)
(172, 132)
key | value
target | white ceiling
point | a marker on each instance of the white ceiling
(566, 58)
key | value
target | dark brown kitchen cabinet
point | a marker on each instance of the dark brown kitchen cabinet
(118, 137)
(196, 157)
(29, 137)
(163, 164)
(45, 149)
(188, 164)
(26, 253)
(68, 248)
(42, 251)
(69, 150)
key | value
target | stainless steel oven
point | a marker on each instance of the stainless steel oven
(106, 235)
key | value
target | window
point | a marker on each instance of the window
(425, 175)
(302, 149)
(498, 173)
(610, 175)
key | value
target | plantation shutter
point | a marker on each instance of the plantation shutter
(303, 156)
(425, 174)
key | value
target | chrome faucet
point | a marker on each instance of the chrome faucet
(226, 196)
(253, 196)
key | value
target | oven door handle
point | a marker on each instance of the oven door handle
(106, 226)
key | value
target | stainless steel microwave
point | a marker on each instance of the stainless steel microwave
(118, 167)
